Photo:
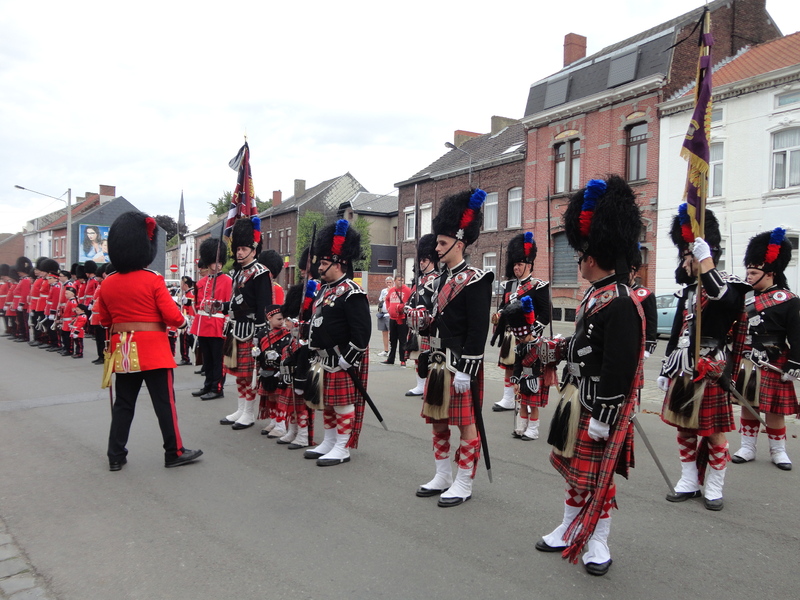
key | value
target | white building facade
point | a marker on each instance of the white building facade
(754, 180)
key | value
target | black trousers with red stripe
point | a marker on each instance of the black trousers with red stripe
(159, 384)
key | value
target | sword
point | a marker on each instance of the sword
(652, 451)
(476, 408)
(357, 382)
(744, 403)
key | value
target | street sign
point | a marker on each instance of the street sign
(173, 268)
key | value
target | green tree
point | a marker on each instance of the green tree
(169, 225)
(362, 226)
(223, 203)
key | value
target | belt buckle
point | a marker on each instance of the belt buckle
(574, 369)
(436, 342)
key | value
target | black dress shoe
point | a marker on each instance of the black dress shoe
(713, 504)
(54, 349)
(199, 393)
(496, 408)
(200, 372)
(311, 454)
(183, 363)
(98, 361)
(238, 426)
(597, 569)
(116, 465)
(212, 395)
(784, 466)
(387, 362)
(226, 421)
(423, 492)
(543, 546)
(682, 496)
(410, 393)
(185, 458)
(738, 460)
(448, 502)
(331, 462)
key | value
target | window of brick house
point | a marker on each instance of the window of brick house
(515, 207)
(568, 166)
(637, 152)
(490, 212)
(565, 267)
(410, 223)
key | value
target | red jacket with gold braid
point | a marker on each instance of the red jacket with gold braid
(141, 297)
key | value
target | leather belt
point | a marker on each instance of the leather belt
(138, 326)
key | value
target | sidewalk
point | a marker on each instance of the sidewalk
(18, 580)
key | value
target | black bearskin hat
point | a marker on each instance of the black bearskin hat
(273, 261)
(246, 233)
(293, 301)
(460, 216)
(603, 221)
(521, 249)
(90, 267)
(73, 269)
(80, 272)
(426, 248)
(208, 253)
(83, 308)
(13, 274)
(303, 264)
(24, 265)
(101, 270)
(682, 236)
(519, 316)
(4, 269)
(38, 263)
(49, 266)
(132, 241)
(110, 269)
(771, 252)
(338, 243)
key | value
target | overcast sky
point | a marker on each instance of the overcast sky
(155, 97)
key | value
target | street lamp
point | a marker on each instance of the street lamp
(454, 147)
(69, 217)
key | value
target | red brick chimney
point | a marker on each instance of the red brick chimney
(574, 48)
(277, 196)
(460, 136)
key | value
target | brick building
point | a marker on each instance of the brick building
(495, 163)
(599, 115)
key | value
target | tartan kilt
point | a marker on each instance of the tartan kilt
(537, 400)
(245, 363)
(716, 412)
(776, 396)
(283, 399)
(339, 389)
(460, 412)
(582, 470)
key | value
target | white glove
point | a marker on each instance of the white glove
(791, 375)
(598, 430)
(298, 391)
(51, 317)
(646, 355)
(701, 250)
(256, 351)
(663, 383)
(344, 364)
(461, 382)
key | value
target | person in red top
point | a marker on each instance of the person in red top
(213, 298)
(22, 294)
(50, 267)
(135, 305)
(76, 329)
(186, 338)
(36, 292)
(100, 333)
(4, 287)
(9, 307)
(398, 330)
(273, 261)
(67, 316)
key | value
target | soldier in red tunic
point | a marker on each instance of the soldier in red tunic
(771, 346)
(591, 432)
(22, 293)
(137, 308)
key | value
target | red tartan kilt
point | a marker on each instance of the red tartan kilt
(284, 399)
(716, 412)
(424, 343)
(776, 396)
(537, 400)
(245, 363)
(339, 389)
(581, 471)
(460, 412)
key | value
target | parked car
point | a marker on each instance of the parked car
(665, 307)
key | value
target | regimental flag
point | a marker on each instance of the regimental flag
(243, 200)
(696, 145)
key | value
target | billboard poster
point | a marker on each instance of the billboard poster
(93, 243)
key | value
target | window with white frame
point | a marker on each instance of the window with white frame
(786, 158)
(425, 215)
(280, 241)
(410, 220)
(515, 207)
(787, 98)
(490, 212)
(490, 264)
(716, 115)
(288, 240)
(565, 266)
(715, 169)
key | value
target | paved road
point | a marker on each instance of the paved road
(254, 520)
